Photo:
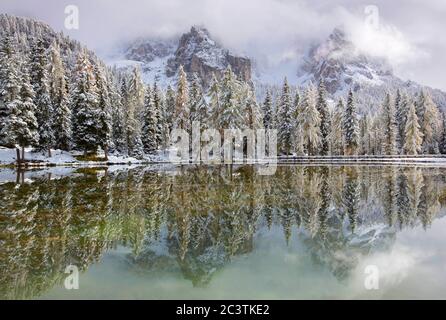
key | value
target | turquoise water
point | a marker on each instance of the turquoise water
(225, 232)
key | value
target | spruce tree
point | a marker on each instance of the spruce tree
(182, 112)
(104, 133)
(84, 103)
(59, 99)
(230, 115)
(284, 125)
(337, 130)
(322, 107)
(401, 117)
(214, 102)
(135, 105)
(430, 123)
(351, 126)
(41, 82)
(198, 106)
(389, 126)
(150, 124)
(9, 84)
(413, 136)
(118, 120)
(21, 123)
(267, 110)
(169, 107)
(310, 122)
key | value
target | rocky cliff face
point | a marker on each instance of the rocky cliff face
(195, 50)
(343, 67)
(199, 54)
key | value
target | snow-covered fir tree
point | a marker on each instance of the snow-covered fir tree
(150, 124)
(21, 123)
(351, 126)
(41, 83)
(182, 113)
(322, 108)
(267, 110)
(214, 102)
(162, 128)
(430, 122)
(401, 117)
(365, 136)
(59, 99)
(389, 127)
(170, 107)
(337, 130)
(9, 84)
(84, 104)
(104, 133)
(230, 116)
(135, 105)
(198, 105)
(284, 124)
(118, 118)
(310, 122)
(413, 137)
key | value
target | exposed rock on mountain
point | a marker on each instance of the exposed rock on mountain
(196, 51)
(343, 67)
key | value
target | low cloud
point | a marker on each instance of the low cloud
(269, 30)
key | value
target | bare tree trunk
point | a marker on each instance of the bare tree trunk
(106, 152)
(23, 153)
(49, 152)
(18, 155)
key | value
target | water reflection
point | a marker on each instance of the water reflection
(194, 220)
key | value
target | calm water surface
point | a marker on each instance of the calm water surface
(225, 232)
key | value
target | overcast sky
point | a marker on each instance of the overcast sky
(410, 34)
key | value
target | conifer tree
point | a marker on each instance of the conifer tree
(198, 106)
(337, 130)
(413, 135)
(351, 126)
(230, 115)
(322, 108)
(310, 122)
(182, 111)
(169, 107)
(162, 130)
(20, 125)
(389, 126)
(40, 81)
(104, 134)
(84, 103)
(267, 110)
(135, 105)
(59, 99)
(429, 122)
(9, 84)
(149, 129)
(401, 117)
(214, 102)
(284, 125)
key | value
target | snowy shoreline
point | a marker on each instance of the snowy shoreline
(64, 158)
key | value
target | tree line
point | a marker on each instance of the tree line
(50, 101)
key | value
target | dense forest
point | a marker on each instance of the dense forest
(56, 94)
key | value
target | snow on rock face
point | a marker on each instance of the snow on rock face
(198, 53)
(343, 67)
(147, 51)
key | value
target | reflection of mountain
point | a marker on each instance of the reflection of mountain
(195, 221)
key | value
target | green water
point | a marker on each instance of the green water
(224, 232)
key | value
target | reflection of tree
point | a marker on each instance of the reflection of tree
(197, 219)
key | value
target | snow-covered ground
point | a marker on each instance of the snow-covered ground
(59, 157)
